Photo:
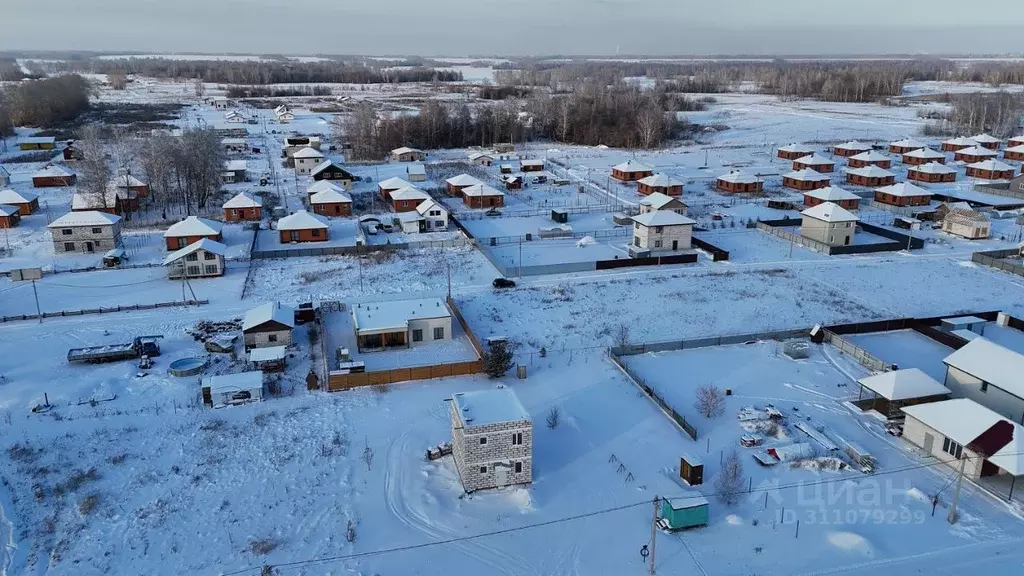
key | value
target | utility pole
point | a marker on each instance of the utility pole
(39, 313)
(449, 267)
(956, 495)
(654, 534)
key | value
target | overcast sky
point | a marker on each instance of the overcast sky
(516, 27)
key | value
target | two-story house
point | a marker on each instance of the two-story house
(85, 232)
(492, 439)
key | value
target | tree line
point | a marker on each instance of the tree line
(44, 103)
(998, 114)
(277, 92)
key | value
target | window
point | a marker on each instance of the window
(272, 338)
(984, 386)
(952, 448)
(97, 231)
(209, 256)
(417, 335)
(658, 229)
(316, 233)
(519, 467)
(439, 333)
(211, 269)
(483, 469)
(67, 231)
(69, 246)
(636, 241)
(636, 226)
(657, 243)
(438, 224)
(192, 271)
(192, 257)
(483, 440)
(517, 439)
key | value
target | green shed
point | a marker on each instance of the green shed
(682, 513)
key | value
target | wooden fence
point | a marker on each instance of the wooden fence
(103, 310)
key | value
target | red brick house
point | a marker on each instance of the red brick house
(303, 227)
(9, 216)
(923, 156)
(815, 162)
(906, 145)
(805, 180)
(53, 177)
(331, 203)
(794, 151)
(482, 196)
(974, 154)
(457, 183)
(1014, 153)
(407, 199)
(903, 194)
(110, 202)
(390, 185)
(1015, 141)
(659, 183)
(870, 176)
(25, 202)
(192, 229)
(531, 165)
(954, 144)
(931, 173)
(834, 194)
(987, 141)
(869, 158)
(991, 170)
(243, 207)
(736, 181)
(631, 171)
(129, 182)
(851, 148)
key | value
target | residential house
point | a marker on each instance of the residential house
(903, 194)
(890, 391)
(870, 176)
(201, 259)
(407, 199)
(85, 232)
(192, 229)
(37, 143)
(286, 117)
(406, 154)
(531, 165)
(235, 145)
(111, 201)
(955, 144)
(268, 325)
(814, 162)
(400, 324)
(456, 184)
(945, 207)
(851, 148)
(234, 117)
(9, 216)
(1011, 153)
(631, 171)
(991, 170)
(964, 434)
(5, 177)
(923, 156)
(235, 171)
(293, 144)
(303, 227)
(429, 216)
(660, 231)
(307, 159)
(1015, 141)
(243, 207)
(386, 187)
(844, 198)
(131, 183)
(974, 154)
(331, 202)
(416, 172)
(932, 172)
(737, 181)
(660, 183)
(482, 196)
(794, 151)
(658, 201)
(232, 389)
(989, 374)
(492, 439)
(969, 224)
(71, 152)
(26, 202)
(987, 141)
(805, 180)
(1017, 184)
(53, 176)
(869, 158)
(906, 145)
(829, 224)
(481, 158)
(329, 170)
(513, 182)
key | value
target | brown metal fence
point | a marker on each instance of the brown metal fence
(997, 259)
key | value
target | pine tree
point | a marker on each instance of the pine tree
(497, 360)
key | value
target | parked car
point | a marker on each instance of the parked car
(503, 283)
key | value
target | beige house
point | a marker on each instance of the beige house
(202, 259)
(659, 201)
(416, 172)
(86, 232)
(660, 231)
(829, 223)
(969, 224)
(401, 324)
(492, 439)
(307, 159)
(268, 325)
(406, 154)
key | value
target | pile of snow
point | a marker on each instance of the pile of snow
(585, 241)
(734, 519)
(851, 542)
(826, 464)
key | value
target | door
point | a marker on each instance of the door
(88, 247)
(675, 244)
(501, 475)
(929, 442)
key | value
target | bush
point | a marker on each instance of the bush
(88, 504)
(262, 547)
(498, 360)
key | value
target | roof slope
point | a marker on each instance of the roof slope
(484, 407)
(984, 359)
(832, 194)
(269, 312)
(658, 200)
(308, 152)
(904, 189)
(963, 420)
(903, 384)
(205, 244)
(830, 212)
(663, 218)
(815, 160)
(870, 156)
(463, 180)
(243, 200)
(660, 180)
(395, 183)
(194, 226)
(9, 196)
(302, 220)
(86, 218)
(632, 166)
(871, 171)
(329, 196)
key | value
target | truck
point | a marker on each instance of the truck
(140, 346)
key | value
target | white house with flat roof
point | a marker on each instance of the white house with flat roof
(492, 439)
(989, 374)
(401, 324)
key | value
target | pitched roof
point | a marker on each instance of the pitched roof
(205, 244)
(38, 139)
(795, 148)
(427, 205)
(8, 210)
(394, 184)
(854, 145)
(903, 384)
(663, 218)
(815, 160)
(125, 181)
(1019, 149)
(463, 180)
(932, 168)
(52, 171)
(194, 226)
(925, 153)
(1017, 139)
(329, 196)
(323, 185)
(536, 162)
(966, 217)
(87, 218)
(416, 168)
(409, 193)
(871, 171)
(9, 196)
(405, 150)
(481, 190)
(479, 155)
(960, 141)
(658, 200)
(986, 139)
(904, 189)
(977, 151)
(870, 156)
(239, 382)
(308, 152)
(739, 177)
(302, 220)
(235, 165)
(243, 200)
(830, 212)
(92, 200)
(808, 175)
(963, 420)
(632, 166)
(660, 180)
(832, 194)
(993, 165)
(327, 164)
(992, 363)
(269, 312)
(908, 143)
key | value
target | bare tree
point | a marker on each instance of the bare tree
(94, 167)
(200, 88)
(622, 335)
(710, 401)
(729, 481)
(554, 417)
(117, 80)
(367, 454)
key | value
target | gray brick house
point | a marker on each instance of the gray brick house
(492, 439)
(88, 231)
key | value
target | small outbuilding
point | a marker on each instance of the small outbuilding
(829, 224)
(835, 194)
(243, 207)
(683, 513)
(851, 148)
(794, 151)
(991, 170)
(268, 325)
(10, 216)
(931, 173)
(870, 176)
(303, 227)
(406, 154)
(903, 194)
(806, 180)
(482, 196)
(815, 162)
(888, 392)
(513, 182)
(26, 202)
(233, 389)
(192, 229)
(691, 470)
(737, 182)
(201, 259)
(492, 439)
(331, 202)
(969, 224)
(923, 156)
(869, 158)
(974, 154)
(660, 183)
(631, 171)
(906, 145)
(53, 176)
(416, 172)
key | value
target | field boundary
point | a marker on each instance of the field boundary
(103, 310)
(997, 259)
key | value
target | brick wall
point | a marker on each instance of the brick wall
(471, 456)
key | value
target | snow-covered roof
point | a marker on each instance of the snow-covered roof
(963, 420)
(7, 210)
(807, 175)
(9, 196)
(463, 180)
(125, 181)
(986, 139)
(992, 363)
(329, 196)
(961, 205)
(38, 140)
(869, 156)
(871, 171)
(739, 177)
(52, 171)
(481, 190)
(904, 189)
(243, 200)
(1013, 149)
(830, 212)
(663, 218)
(815, 160)
(660, 180)
(966, 217)
(325, 165)
(796, 148)
(235, 165)
(632, 166)
(977, 151)
(426, 206)
(234, 141)
(242, 381)
(908, 143)
(536, 162)
(494, 406)
(395, 315)
(932, 168)
(93, 200)
(410, 217)
(960, 141)
(308, 152)
(302, 220)
(416, 168)
(323, 185)
(269, 312)
(86, 218)
(395, 183)
(658, 200)
(409, 193)
(993, 165)
(832, 194)
(194, 226)
(903, 384)
(478, 155)
(268, 354)
(1017, 139)
(925, 153)
(405, 150)
(205, 244)
(854, 145)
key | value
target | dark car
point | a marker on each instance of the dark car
(503, 283)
